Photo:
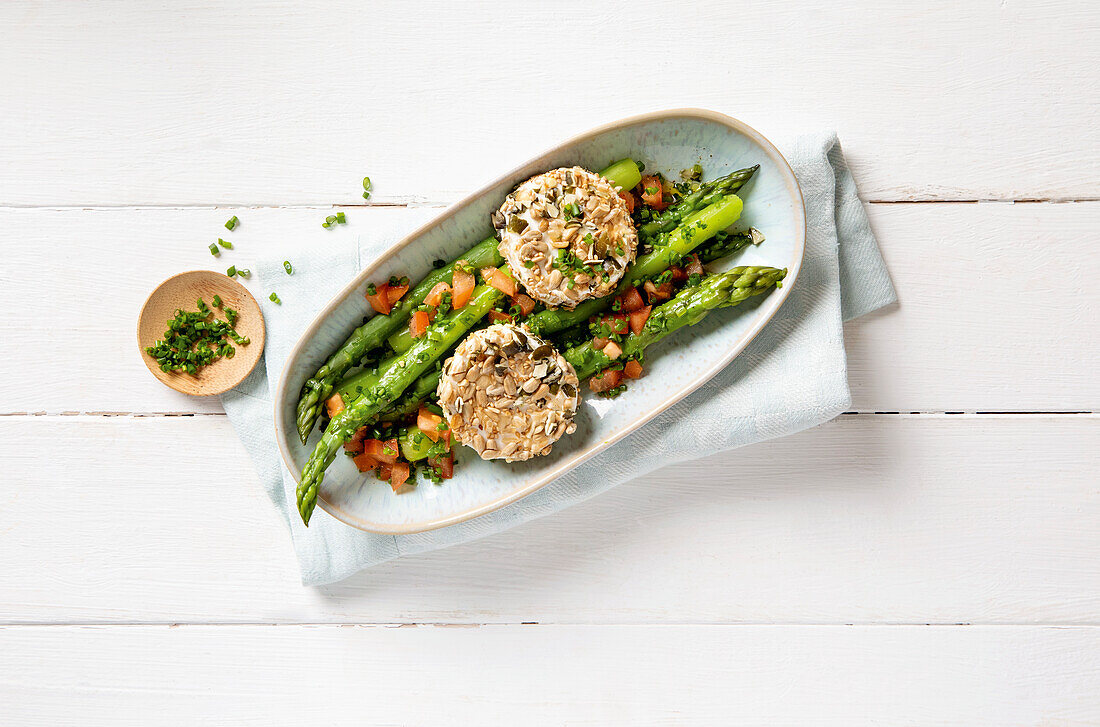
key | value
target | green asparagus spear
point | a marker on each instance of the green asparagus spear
(720, 290)
(401, 372)
(706, 195)
(353, 387)
(690, 306)
(727, 245)
(373, 333)
(413, 396)
(623, 174)
(693, 232)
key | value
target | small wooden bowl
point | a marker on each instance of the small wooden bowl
(183, 291)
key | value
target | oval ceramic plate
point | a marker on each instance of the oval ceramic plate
(666, 141)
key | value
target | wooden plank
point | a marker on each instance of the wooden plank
(214, 103)
(991, 298)
(996, 312)
(869, 519)
(577, 675)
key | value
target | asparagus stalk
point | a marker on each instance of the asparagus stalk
(372, 334)
(353, 387)
(693, 232)
(402, 372)
(721, 290)
(729, 244)
(623, 174)
(691, 305)
(706, 195)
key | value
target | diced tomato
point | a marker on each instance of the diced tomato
(334, 405)
(428, 422)
(399, 475)
(629, 199)
(365, 462)
(612, 350)
(599, 342)
(525, 302)
(616, 323)
(435, 295)
(679, 275)
(658, 292)
(380, 301)
(444, 465)
(630, 301)
(694, 266)
(655, 198)
(418, 323)
(384, 452)
(638, 319)
(499, 280)
(497, 317)
(607, 380)
(355, 444)
(385, 471)
(632, 370)
(463, 286)
(395, 292)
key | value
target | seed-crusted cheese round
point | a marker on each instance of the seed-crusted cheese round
(567, 236)
(508, 394)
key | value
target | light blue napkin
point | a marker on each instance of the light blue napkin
(792, 377)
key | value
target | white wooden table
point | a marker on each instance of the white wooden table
(932, 557)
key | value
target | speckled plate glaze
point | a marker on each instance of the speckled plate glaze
(666, 141)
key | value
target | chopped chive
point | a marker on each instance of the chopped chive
(225, 243)
(325, 225)
(217, 301)
(288, 267)
(231, 223)
(213, 249)
(195, 339)
(331, 219)
(341, 218)
(274, 299)
(366, 184)
(244, 272)
(366, 195)
(232, 271)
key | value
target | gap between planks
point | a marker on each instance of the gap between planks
(549, 624)
(152, 414)
(443, 204)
